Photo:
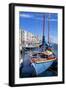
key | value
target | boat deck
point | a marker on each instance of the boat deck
(42, 60)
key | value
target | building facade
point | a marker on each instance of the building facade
(27, 39)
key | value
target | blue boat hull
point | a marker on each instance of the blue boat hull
(41, 67)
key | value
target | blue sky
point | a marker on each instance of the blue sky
(33, 22)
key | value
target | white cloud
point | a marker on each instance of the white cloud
(37, 18)
(26, 15)
(51, 19)
(47, 19)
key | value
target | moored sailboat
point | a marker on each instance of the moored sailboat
(43, 59)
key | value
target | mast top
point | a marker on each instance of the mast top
(43, 24)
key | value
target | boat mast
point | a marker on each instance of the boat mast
(43, 30)
(48, 30)
(43, 37)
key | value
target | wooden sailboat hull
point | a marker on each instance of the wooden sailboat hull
(42, 64)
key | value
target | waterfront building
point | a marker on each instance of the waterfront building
(27, 39)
